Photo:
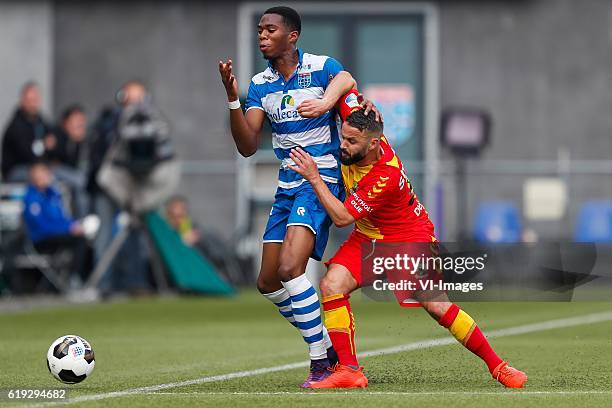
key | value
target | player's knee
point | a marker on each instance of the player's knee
(332, 284)
(262, 287)
(289, 269)
(326, 286)
(267, 286)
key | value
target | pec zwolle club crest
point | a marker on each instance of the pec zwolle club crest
(304, 79)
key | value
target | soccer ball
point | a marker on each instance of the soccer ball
(70, 359)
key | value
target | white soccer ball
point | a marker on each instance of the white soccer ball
(70, 359)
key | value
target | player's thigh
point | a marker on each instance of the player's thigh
(268, 280)
(295, 251)
(338, 280)
(350, 256)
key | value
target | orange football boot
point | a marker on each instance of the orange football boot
(510, 377)
(343, 377)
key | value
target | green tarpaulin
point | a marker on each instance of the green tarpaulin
(187, 267)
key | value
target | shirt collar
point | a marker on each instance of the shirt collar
(300, 59)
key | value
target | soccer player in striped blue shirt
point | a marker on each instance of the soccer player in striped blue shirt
(296, 93)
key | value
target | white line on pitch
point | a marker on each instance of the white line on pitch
(328, 393)
(511, 331)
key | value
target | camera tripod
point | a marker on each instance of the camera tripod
(128, 223)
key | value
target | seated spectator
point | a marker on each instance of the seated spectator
(177, 215)
(47, 224)
(67, 156)
(27, 137)
(210, 244)
(70, 135)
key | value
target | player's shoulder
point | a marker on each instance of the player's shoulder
(316, 62)
(264, 77)
(390, 160)
(383, 173)
(387, 170)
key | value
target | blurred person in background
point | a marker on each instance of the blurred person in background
(49, 227)
(70, 133)
(67, 155)
(27, 137)
(105, 132)
(177, 215)
(209, 243)
(140, 172)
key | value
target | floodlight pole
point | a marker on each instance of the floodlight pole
(462, 197)
(470, 134)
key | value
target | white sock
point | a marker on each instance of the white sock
(281, 299)
(307, 314)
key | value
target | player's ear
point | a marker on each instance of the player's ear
(293, 37)
(374, 142)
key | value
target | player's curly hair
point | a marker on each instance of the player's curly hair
(362, 122)
(291, 18)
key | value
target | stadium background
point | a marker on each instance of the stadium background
(541, 68)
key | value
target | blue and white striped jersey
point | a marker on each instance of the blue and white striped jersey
(279, 99)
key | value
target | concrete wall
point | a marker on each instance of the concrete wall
(26, 53)
(542, 68)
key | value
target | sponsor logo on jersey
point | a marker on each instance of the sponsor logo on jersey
(301, 211)
(280, 115)
(351, 101)
(360, 205)
(287, 100)
(378, 187)
(285, 111)
(418, 209)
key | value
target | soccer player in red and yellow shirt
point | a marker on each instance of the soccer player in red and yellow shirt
(381, 203)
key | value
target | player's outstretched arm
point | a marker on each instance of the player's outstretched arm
(341, 84)
(306, 166)
(245, 127)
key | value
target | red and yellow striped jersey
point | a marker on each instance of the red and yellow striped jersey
(381, 199)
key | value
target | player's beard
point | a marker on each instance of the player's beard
(348, 159)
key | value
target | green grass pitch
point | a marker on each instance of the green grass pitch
(157, 341)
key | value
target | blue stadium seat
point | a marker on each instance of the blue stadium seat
(594, 222)
(497, 222)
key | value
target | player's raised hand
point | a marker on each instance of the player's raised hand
(368, 106)
(304, 164)
(313, 108)
(229, 80)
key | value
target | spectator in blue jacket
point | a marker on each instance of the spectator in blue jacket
(47, 223)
